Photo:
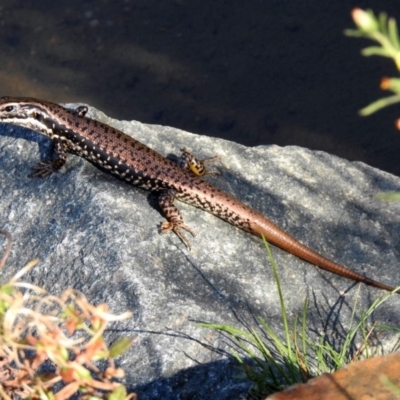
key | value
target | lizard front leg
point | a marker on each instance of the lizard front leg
(44, 169)
(174, 221)
(198, 167)
(80, 111)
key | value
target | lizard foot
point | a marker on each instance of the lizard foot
(167, 226)
(42, 170)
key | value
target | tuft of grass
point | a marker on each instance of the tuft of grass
(49, 345)
(273, 361)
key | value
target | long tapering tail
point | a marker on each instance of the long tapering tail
(281, 239)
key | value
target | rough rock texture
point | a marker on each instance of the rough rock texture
(100, 236)
(368, 379)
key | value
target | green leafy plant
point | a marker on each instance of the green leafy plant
(384, 31)
(273, 361)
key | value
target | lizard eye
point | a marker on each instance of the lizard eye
(9, 108)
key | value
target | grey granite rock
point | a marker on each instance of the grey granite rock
(100, 236)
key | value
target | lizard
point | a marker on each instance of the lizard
(125, 157)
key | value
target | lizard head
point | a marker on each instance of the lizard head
(26, 112)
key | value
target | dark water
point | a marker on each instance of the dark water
(256, 72)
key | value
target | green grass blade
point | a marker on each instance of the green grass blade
(376, 51)
(390, 385)
(381, 103)
(389, 196)
(382, 20)
(393, 33)
(354, 33)
(282, 303)
(304, 333)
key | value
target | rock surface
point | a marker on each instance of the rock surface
(100, 236)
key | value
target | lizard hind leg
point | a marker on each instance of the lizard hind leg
(174, 221)
(198, 167)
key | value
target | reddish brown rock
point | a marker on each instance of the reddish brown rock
(358, 381)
